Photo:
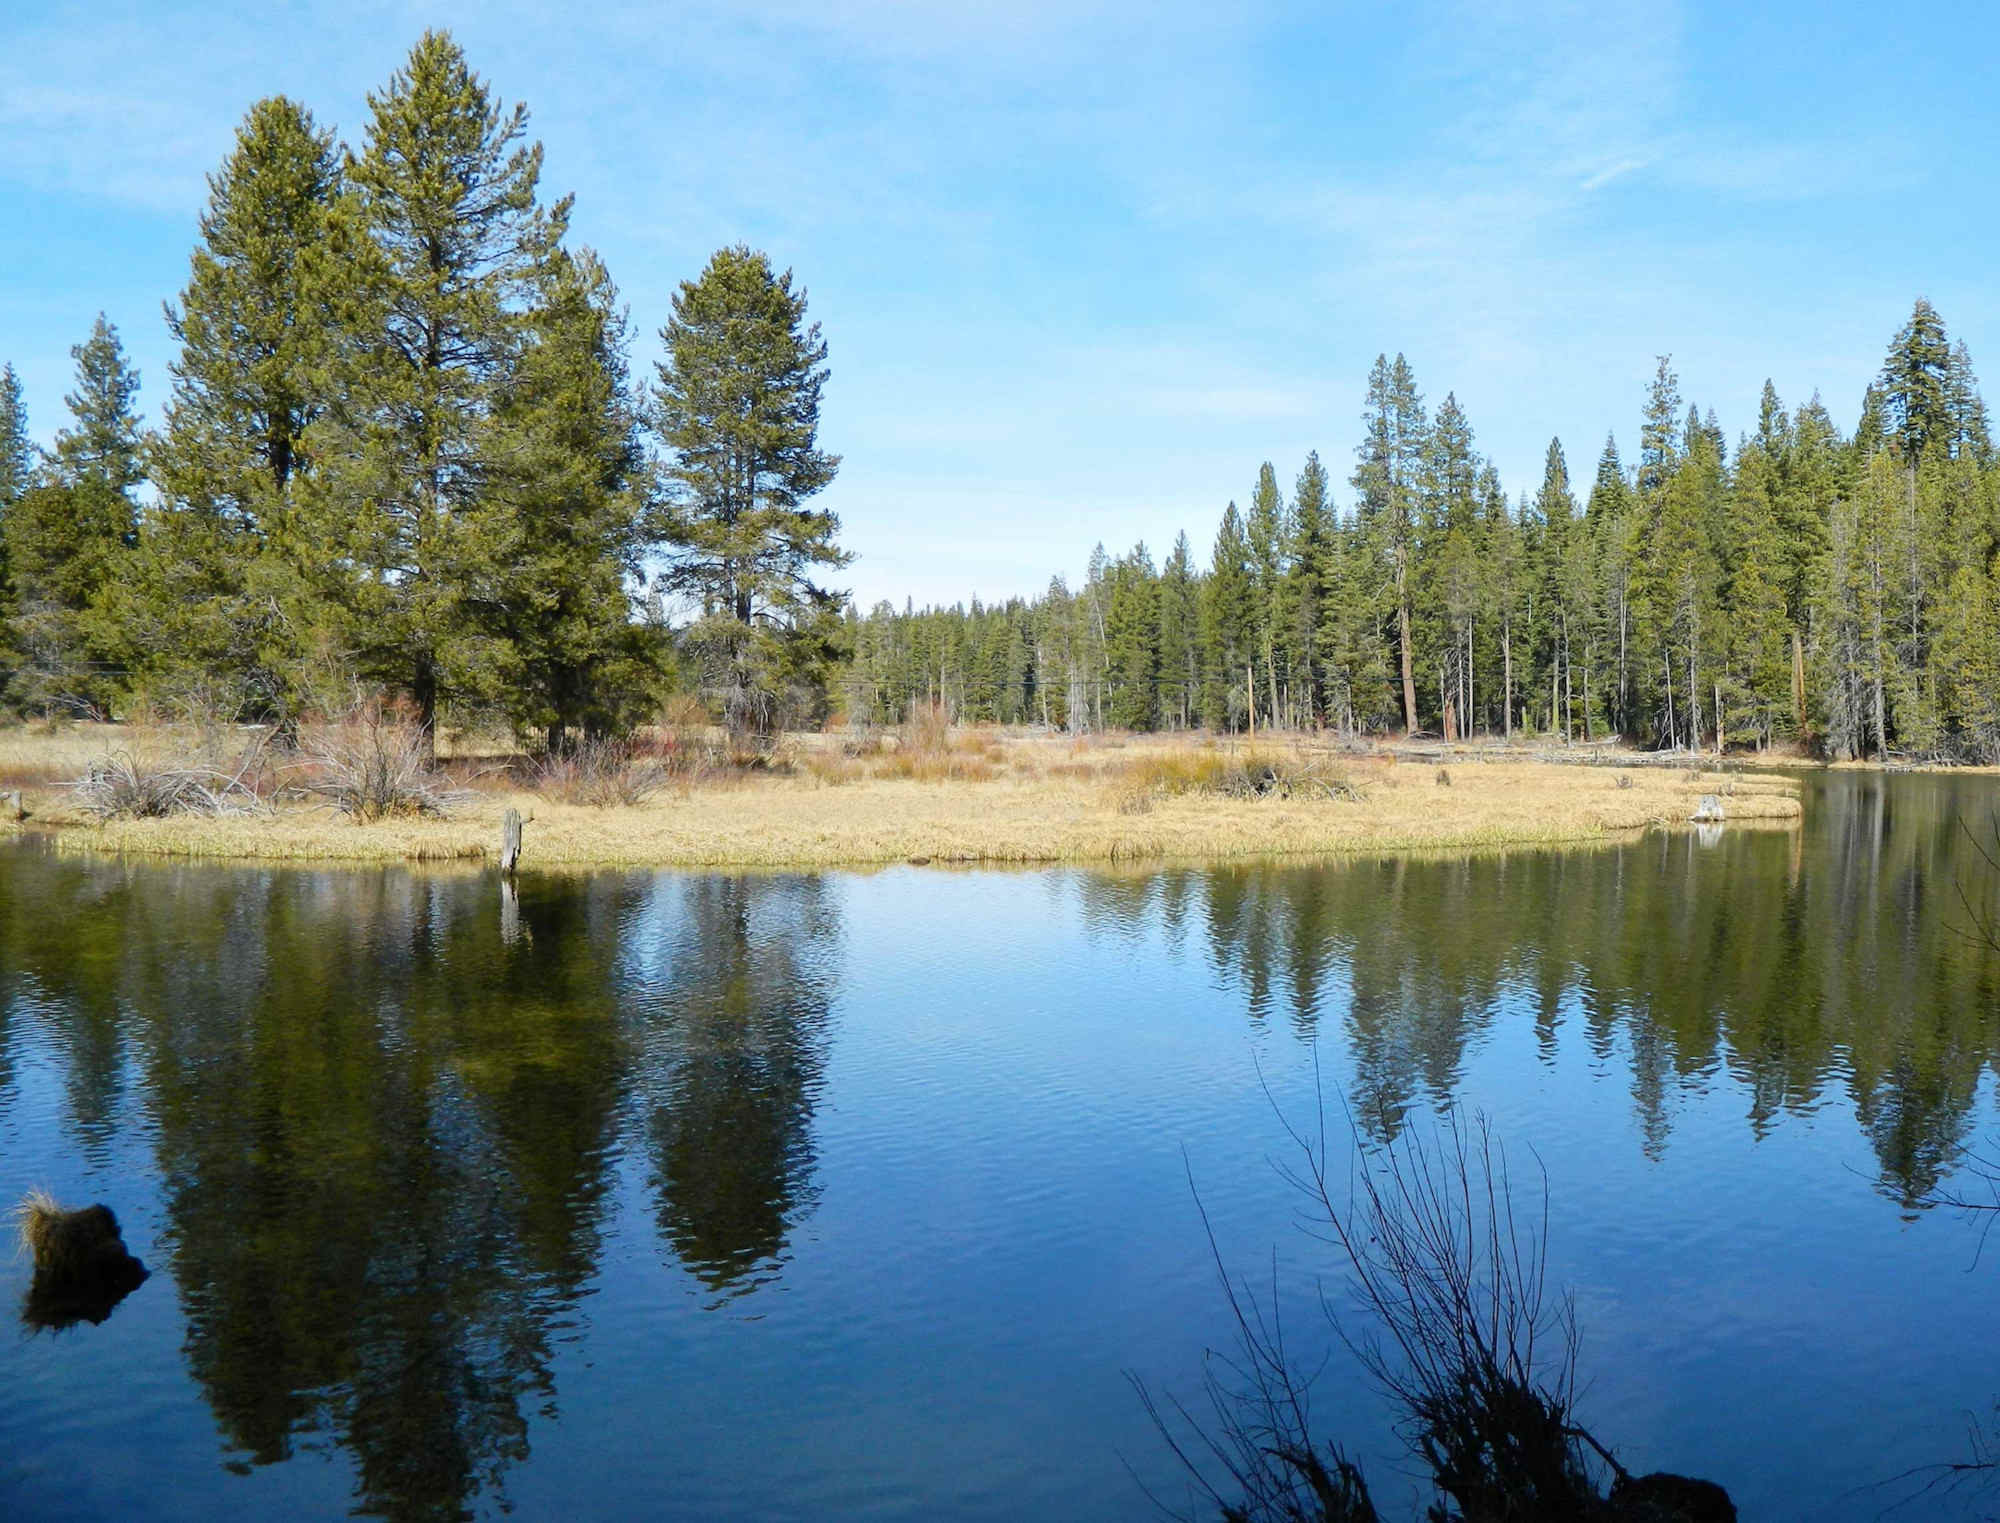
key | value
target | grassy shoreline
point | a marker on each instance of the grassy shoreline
(991, 799)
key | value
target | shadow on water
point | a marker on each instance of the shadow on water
(388, 1122)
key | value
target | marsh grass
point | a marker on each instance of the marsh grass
(34, 1223)
(856, 799)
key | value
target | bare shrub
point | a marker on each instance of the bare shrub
(1239, 775)
(129, 785)
(829, 769)
(926, 731)
(1444, 777)
(375, 766)
(1448, 1309)
(601, 772)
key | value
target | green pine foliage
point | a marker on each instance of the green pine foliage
(1805, 588)
(208, 615)
(440, 238)
(402, 456)
(737, 405)
(67, 537)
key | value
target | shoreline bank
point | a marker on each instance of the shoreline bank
(1100, 809)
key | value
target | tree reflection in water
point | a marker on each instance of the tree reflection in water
(390, 1114)
(1799, 963)
(387, 1129)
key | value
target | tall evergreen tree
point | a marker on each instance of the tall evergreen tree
(17, 453)
(737, 405)
(1309, 582)
(1228, 629)
(1916, 384)
(1264, 529)
(213, 607)
(68, 535)
(1387, 466)
(1180, 636)
(567, 468)
(440, 241)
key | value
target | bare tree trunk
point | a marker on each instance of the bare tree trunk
(1694, 704)
(1667, 664)
(1798, 683)
(1589, 656)
(1403, 630)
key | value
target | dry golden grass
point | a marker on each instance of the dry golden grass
(983, 797)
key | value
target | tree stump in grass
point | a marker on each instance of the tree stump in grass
(510, 843)
(1709, 812)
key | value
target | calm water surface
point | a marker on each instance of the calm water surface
(861, 1196)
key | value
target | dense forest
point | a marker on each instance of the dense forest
(403, 457)
(1840, 592)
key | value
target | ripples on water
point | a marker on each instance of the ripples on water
(858, 1196)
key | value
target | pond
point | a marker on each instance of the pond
(869, 1196)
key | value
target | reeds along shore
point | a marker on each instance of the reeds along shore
(945, 796)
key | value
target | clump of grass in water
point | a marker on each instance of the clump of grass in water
(65, 1243)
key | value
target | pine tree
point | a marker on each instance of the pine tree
(1448, 564)
(1132, 641)
(68, 535)
(17, 454)
(567, 470)
(1308, 584)
(1180, 637)
(17, 460)
(213, 611)
(738, 408)
(1567, 569)
(439, 243)
(1265, 530)
(1970, 433)
(1916, 384)
(1613, 530)
(1385, 482)
(1968, 655)
(1758, 654)
(1659, 440)
(1228, 629)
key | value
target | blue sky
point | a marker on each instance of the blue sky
(1083, 265)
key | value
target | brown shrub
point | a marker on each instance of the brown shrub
(374, 765)
(926, 731)
(601, 772)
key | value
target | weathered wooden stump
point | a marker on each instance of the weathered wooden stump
(510, 842)
(10, 805)
(1709, 812)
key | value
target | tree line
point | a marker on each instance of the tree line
(403, 455)
(1840, 592)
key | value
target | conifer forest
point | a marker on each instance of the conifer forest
(402, 454)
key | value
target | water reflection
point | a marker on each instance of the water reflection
(1833, 957)
(387, 1122)
(392, 1114)
(729, 1060)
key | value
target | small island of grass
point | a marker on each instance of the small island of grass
(863, 799)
